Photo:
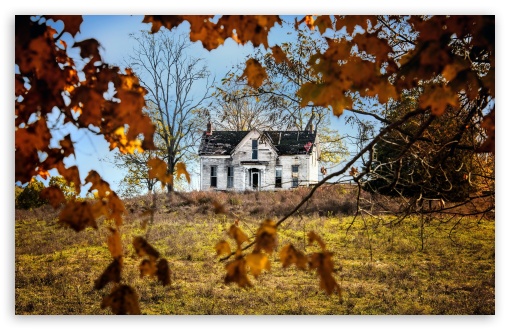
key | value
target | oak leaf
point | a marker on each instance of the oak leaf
(143, 248)
(290, 255)
(122, 300)
(257, 262)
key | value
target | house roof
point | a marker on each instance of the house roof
(285, 142)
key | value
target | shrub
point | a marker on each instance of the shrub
(29, 197)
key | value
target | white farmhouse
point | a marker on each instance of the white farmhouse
(255, 160)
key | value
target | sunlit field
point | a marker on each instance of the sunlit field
(446, 266)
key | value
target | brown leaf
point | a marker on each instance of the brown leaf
(143, 248)
(266, 237)
(238, 235)
(254, 73)
(236, 272)
(115, 243)
(111, 274)
(222, 247)
(122, 300)
(323, 263)
(279, 55)
(180, 169)
(313, 237)
(290, 255)
(71, 22)
(77, 216)
(323, 22)
(102, 187)
(147, 267)
(438, 98)
(163, 272)
(158, 170)
(257, 262)
(489, 124)
(54, 195)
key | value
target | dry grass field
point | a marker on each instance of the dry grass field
(381, 269)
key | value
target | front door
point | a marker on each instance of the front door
(255, 179)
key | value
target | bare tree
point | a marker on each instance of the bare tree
(178, 86)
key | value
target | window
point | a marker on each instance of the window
(230, 176)
(278, 177)
(214, 176)
(254, 149)
(295, 172)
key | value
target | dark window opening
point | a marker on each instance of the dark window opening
(254, 149)
(295, 173)
(214, 176)
(278, 177)
(230, 176)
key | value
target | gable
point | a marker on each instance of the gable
(292, 142)
(220, 142)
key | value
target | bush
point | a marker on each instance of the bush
(29, 197)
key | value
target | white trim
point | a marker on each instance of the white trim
(214, 156)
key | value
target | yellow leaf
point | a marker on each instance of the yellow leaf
(266, 237)
(238, 235)
(222, 247)
(257, 262)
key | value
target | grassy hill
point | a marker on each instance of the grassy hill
(444, 265)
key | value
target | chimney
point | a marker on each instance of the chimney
(209, 129)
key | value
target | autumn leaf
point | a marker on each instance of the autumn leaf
(77, 216)
(254, 73)
(438, 98)
(147, 267)
(313, 237)
(290, 255)
(489, 124)
(279, 55)
(238, 235)
(236, 272)
(143, 248)
(323, 22)
(71, 22)
(54, 195)
(266, 237)
(323, 263)
(180, 169)
(222, 247)
(111, 274)
(122, 300)
(257, 262)
(114, 243)
(102, 187)
(163, 272)
(158, 170)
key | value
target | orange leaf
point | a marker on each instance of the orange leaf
(254, 73)
(290, 255)
(257, 262)
(180, 169)
(266, 237)
(236, 272)
(158, 170)
(77, 216)
(324, 265)
(115, 243)
(222, 247)
(313, 237)
(238, 235)
(438, 98)
(279, 55)
(147, 267)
